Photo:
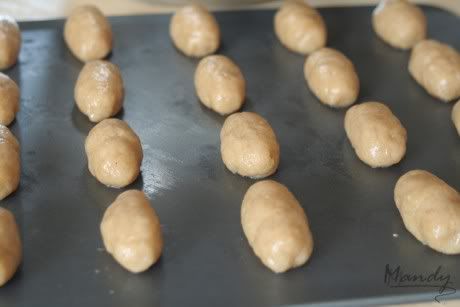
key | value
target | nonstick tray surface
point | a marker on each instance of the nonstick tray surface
(207, 261)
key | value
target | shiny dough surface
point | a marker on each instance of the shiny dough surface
(300, 27)
(399, 23)
(99, 90)
(194, 31)
(10, 163)
(276, 226)
(456, 116)
(131, 231)
(430, 209)
(249, 146)
(114, 153)
(10, 41)
(88, 33)
(376, 134)
(10, 246)
(332, 77)
(219, 84)
(436, 67)
(9, 100)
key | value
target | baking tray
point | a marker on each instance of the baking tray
(207, 261)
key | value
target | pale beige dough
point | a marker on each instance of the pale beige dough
(376, 134)
(9, 100)
(456, 116)
(114, 153)
(10, 41)
(248, 145)
(99, 90)
(131, 231)
(194, 31)
(219, 84)
(332, 77)
(10, 163)
(10, 246)
(436, 67)
(399, 23)
(276, 226)
(88, 33)
(430, 210)
(299, 27)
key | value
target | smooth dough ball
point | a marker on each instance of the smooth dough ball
(88, 33)
(276, 226)
(299, 27)
(430, 210)
(99, 90)
(194, 31)
(114, 153)
(332, 77)
(248, 145)
(10, 246)
(376, 134)
(10, 41)
(436, 67)
(9, 100)
(10, 163)
(219, 84)
(399, 23)
(456, 116)
(131, 231)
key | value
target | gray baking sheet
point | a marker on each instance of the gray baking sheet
(207, 261)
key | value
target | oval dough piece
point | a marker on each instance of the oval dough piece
(376, 134)
(299, 27)
(88, 33)
(10, 41)
(10, 163)
(114, 153)
(332, 77)
(436, 67)
(194, 31)
(219, 84)
(249, 146)
(9, 100)
(456, 116)
(430, 210)
(131, 231)
(10, 246)
(399, 23)
(99, 90)
(276, 226)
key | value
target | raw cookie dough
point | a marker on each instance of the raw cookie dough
(9, 100)
(430, 210)
(436, 67)
(131, 231)
(300, 27)
(88, 33)
(99, 90)
(276, 226)
(10, 41)
(332, 77)
(249, 146)
(114, 153)
(456, 116)
(219, 84)
(399, 23)
(194, 31)
(10, 246)
(376, 134)
(10, 163)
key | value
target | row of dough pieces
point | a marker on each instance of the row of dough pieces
(243, 135)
